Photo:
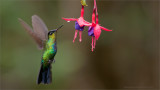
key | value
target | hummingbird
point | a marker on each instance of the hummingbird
(45, 40)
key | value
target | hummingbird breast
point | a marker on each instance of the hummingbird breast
(50, 51)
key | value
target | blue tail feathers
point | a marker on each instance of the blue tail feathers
(45, 75)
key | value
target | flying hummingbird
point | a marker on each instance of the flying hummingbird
(45, 40)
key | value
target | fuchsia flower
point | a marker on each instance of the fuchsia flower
(79, 24)
(95, 29)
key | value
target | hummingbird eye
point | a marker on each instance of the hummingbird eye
(50, 33)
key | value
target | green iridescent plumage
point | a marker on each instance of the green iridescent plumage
(50, 51)
(45, 40)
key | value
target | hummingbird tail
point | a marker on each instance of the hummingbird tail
(45, 75)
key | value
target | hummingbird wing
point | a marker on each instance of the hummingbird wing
(31, 33)
(39, 27)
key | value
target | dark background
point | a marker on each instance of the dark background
(126, 58)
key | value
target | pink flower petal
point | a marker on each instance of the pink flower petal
(105, 29)
(81, 21)
(97, 31)
(70, 19)
(87, 23)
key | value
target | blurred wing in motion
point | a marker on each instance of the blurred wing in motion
(39, 27)
(32, 34)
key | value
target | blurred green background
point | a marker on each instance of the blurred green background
(126, 58)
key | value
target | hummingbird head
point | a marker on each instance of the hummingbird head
(51, 33)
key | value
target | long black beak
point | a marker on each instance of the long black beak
(55, 30)
(59, 28)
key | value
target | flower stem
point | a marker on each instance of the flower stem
(82, 11)
(95, 5)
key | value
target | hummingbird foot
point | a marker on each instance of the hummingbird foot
(50, 61)
(54, 60)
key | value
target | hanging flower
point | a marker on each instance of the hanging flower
(95, 29)
(80, 23)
